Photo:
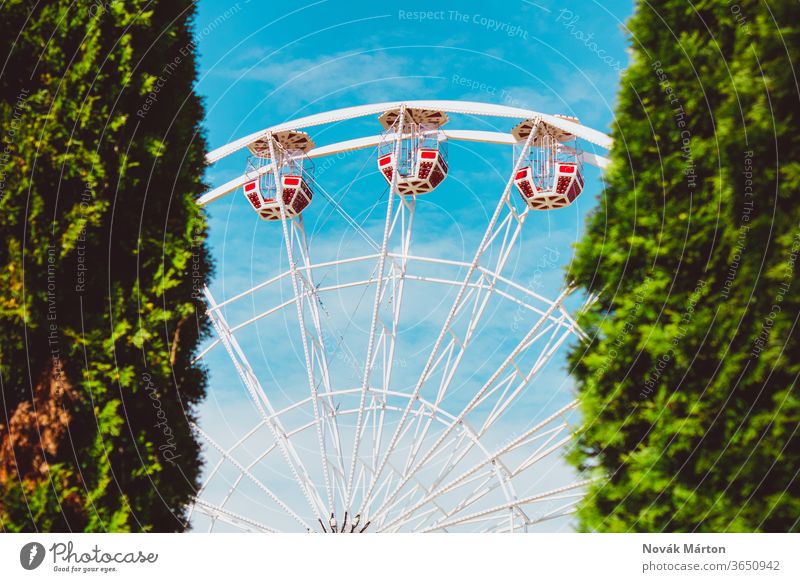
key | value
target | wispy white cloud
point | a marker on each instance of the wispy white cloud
(355, 76)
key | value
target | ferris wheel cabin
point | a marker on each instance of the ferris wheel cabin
(266, 191)
(553, 176)
(422, 163)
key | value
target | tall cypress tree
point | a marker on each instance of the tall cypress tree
(102, 258)
(690, 387)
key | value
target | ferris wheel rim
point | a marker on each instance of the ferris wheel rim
(448, 106)
(466, 135)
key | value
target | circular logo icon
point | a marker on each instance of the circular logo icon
(31, 555)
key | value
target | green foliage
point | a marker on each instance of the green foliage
(102, 258)
(690, 388)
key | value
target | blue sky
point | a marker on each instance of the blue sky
(265, 63)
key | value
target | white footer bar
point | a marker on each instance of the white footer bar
(401, 557)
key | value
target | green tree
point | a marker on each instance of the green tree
(102, 258)
(690, 387)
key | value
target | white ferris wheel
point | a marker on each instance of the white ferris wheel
(359, 438)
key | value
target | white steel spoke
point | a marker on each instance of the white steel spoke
(380, 288)
(230, 451)
(252, 477)
(489, 383)
(221, 514)
(314, 344)
(439, 491)
(471, 518)
(260, 399)
(458, 304)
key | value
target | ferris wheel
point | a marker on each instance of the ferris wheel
(357, 438)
